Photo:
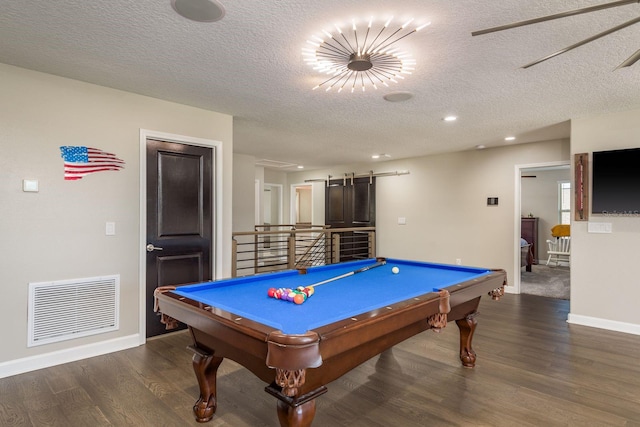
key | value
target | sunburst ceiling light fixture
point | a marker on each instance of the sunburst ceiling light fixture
(358, 59)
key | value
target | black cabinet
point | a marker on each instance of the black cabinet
(529, 232)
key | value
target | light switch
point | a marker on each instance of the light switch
(30, 185)
(110, 229)
(402, 220)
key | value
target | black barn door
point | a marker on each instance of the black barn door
(179, 219)
(351, 203)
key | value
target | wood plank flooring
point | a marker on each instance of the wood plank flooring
(533, 369)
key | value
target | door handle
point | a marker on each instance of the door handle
(151, 248)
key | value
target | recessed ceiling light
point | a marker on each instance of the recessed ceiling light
(398, 96)
(199, 10)
(450, 119)
(510, 138)
(300, 167)
(381, 155)
(480, 147)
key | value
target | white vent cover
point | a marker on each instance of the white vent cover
(68, 309)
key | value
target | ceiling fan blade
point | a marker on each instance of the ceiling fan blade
(630, 61)
(555, 16)
(585, 41)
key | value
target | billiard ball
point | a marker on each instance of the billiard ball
(395, 270)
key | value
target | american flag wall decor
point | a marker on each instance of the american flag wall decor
(80, 161)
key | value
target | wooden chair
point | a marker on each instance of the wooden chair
(559, 249)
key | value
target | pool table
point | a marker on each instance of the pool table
(297, 349)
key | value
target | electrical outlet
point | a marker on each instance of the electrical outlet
(458, 261)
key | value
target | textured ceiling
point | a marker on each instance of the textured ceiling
(249, 65)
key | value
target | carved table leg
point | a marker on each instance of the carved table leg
(296, 416)
(288, 414)
(467, 326)
(294, 410)
(206, 368)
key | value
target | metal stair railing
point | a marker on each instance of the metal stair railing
(286, 246)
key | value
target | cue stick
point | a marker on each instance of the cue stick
(351, 273)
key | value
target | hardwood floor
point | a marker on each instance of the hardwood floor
(533, 369)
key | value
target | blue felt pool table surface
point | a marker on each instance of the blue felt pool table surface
(334, 301)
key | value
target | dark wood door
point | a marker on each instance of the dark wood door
(179, 219)
(351, 203)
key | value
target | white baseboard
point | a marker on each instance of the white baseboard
(46, 360)
(611, 325)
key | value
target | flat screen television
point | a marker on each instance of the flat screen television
(616, 182)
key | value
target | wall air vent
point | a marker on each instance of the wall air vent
(68, 309)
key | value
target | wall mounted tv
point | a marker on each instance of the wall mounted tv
(616, 182)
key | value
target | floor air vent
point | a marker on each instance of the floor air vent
(68, 309)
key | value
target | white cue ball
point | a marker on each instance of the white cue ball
(395, 270)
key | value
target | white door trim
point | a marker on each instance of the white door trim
(216, 261)
(517, 215)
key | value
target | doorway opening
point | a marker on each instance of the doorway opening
(543, 192)
(303, 206)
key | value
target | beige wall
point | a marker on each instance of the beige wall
(244, 178)
(444, 201)
(59, 232)
(605, 288)
(275, 177)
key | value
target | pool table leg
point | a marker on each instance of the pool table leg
(296, 416)
(294, 409)
(205, 366)
(290, 415)
(467, 326)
